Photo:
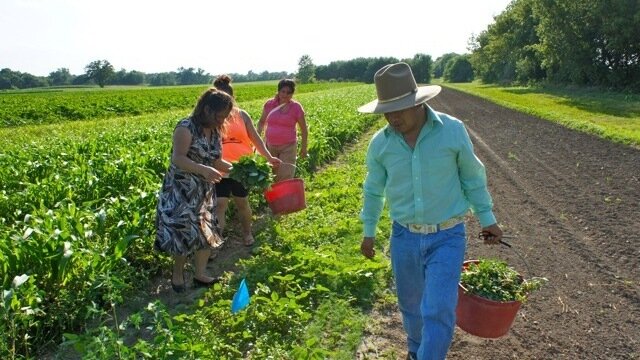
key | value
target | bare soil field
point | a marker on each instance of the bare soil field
(572, 202)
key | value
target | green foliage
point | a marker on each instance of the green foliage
(364, 69)
(307, 299)
(494, 280)
(77, 210)
(124, 77)
(335, 326)
(440, 64)
(253, 172)
(359, 69)
(306, 70)
(458, 69)
(10, 80)
(421, 65)
(591, 42)
(100, 71)
(581, 42)
(507, 51)
(22, 108)
(20, 315)
(191, 76)
(62, 76)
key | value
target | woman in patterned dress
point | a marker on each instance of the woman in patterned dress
(186, 221)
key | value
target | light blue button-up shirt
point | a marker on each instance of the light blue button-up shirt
(438, 179)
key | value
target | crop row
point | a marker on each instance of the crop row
(24, 108)
(310, 290)
(76, 216)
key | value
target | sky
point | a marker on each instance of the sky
(233, 36)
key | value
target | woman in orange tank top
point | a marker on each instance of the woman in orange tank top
(240, 138)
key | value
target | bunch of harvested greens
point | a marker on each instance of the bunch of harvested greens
(253, 172)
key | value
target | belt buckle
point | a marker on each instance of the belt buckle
(423, 229)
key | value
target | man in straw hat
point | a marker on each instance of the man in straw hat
(422, 163)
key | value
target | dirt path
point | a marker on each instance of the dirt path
(572, 201)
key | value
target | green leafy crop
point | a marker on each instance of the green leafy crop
(494, 280)
(253, 172)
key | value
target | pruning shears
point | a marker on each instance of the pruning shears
(485, 235)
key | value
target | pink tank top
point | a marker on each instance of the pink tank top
(281, 126)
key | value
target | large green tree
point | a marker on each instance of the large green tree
(374, 65)
(99, 71)
(458, 69)
(583, 42)
(508, 50)
(124, 77)
(591, 42)
(421, 65)
(306, 70)
(62, 76)
(191, 76)
(440, 64)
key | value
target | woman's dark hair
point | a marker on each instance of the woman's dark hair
(287, 83)
(223, 82)
(216, 100)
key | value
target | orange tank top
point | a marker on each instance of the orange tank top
(236, 141)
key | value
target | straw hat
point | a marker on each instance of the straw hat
(397, 90)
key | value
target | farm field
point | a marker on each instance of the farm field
(77, 225)
(79, 207)
(55, 106)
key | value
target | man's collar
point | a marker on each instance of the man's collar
(432, 115)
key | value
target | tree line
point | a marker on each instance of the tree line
(101, 73)
(363, 69)
(578, 42)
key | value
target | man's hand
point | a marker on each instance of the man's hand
(366, 248)
(493, 234)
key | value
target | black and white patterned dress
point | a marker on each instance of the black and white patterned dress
(186, 214)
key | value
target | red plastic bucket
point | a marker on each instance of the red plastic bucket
(483, 317)
(286, 196)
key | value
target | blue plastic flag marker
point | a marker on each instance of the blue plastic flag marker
(241, 298)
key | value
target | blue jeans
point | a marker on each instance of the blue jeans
(427, 270)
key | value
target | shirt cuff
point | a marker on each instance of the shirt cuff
(486, 219)
(369, 230)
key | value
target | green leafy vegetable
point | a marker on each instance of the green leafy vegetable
(494, 280)
(253, 172)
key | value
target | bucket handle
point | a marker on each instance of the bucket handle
(290, 164)
(484, 234)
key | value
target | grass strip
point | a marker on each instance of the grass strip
(609, 115)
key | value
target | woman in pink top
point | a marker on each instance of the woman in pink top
(239, 139)
(280, 116)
